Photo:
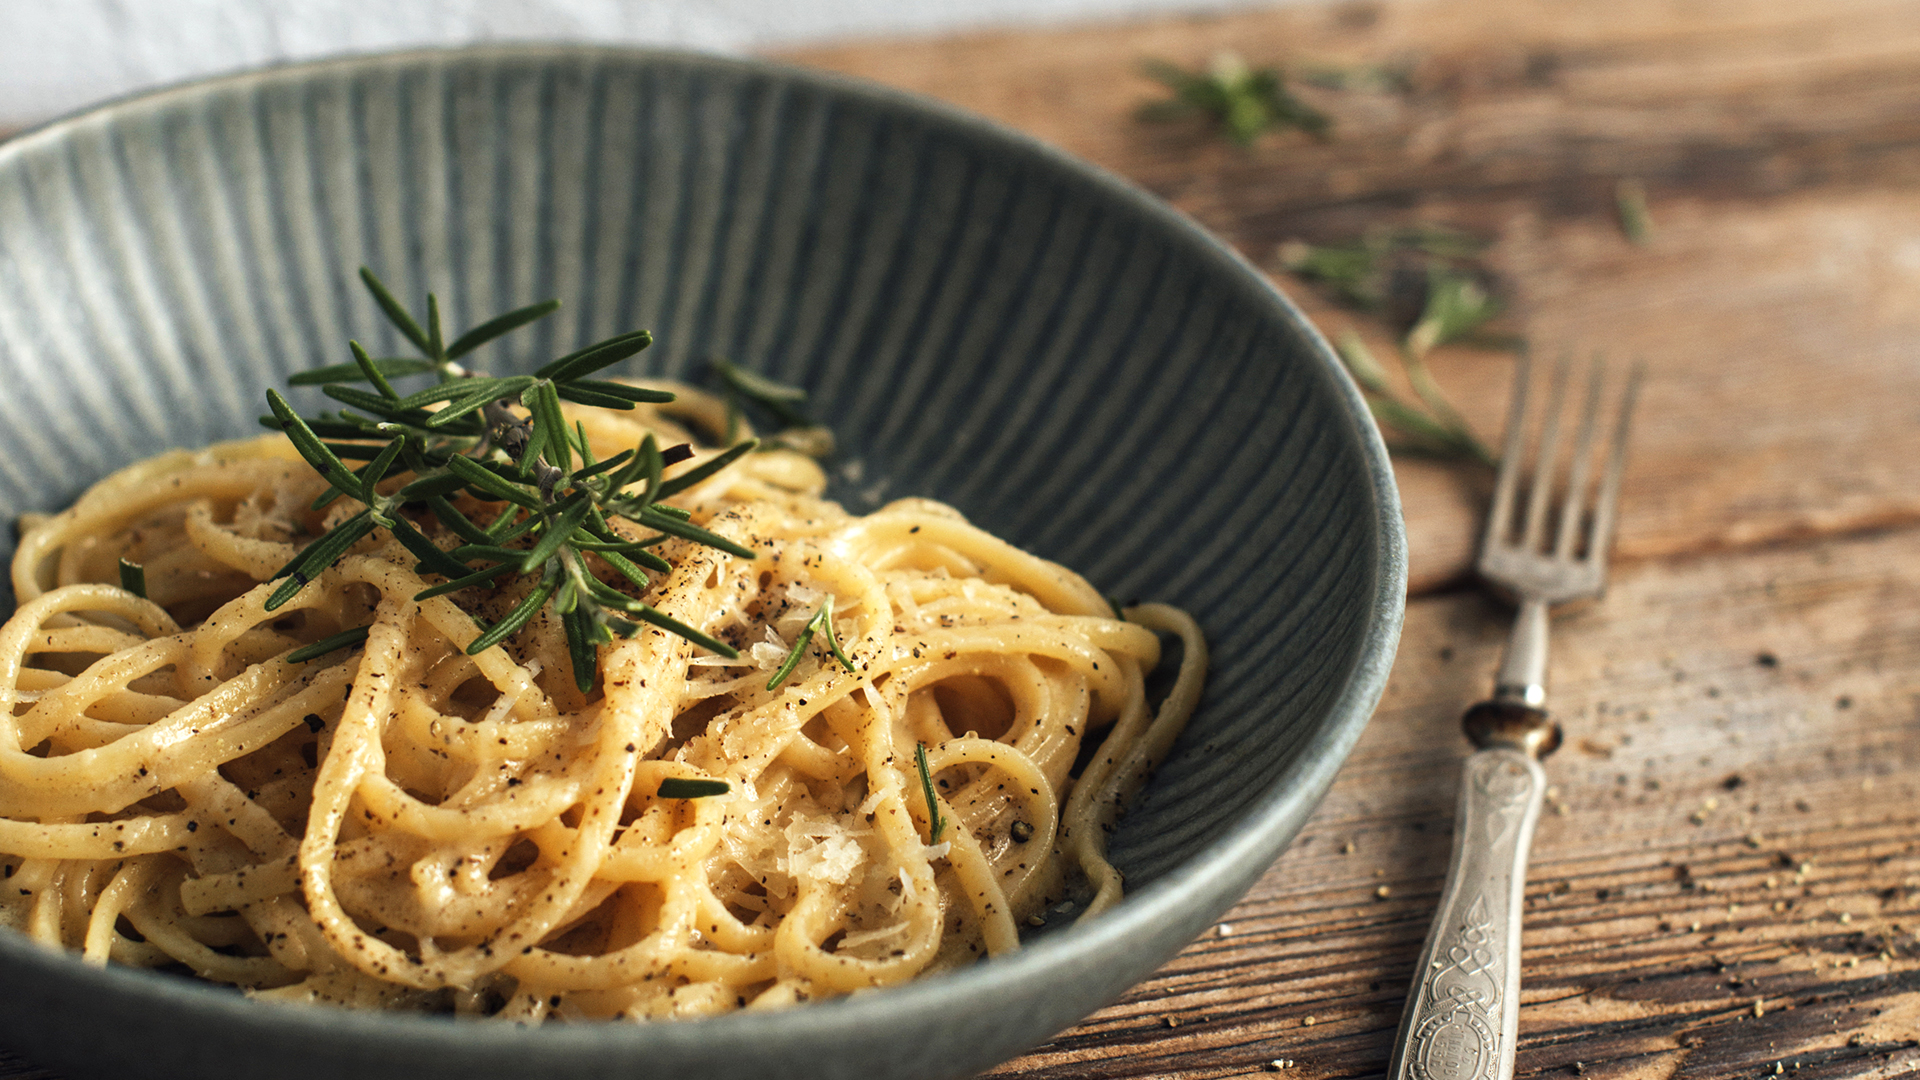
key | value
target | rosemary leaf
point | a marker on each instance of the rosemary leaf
(1630, 198)
(639, 394)
(599, 467)
(371, 372)
(479, 476)
(649, 614)
(454, 388)
(586, 361)
(581, 395)
(558, 533)
(936, 824)
(133, 578)
(396, 312)
(680, 787)
(315, 558)
(495, 390)
(436, 346)
(436, 486)
(825, 618)
(450, 516)
(310, 446)
(545, 405)
(392, 368)
(581, 649)
(376, 470)
(494, 552)
(454, 586)
(776, 397)
(430, 556)
(355, 451)
(498, 325)
(820, 623)
(460, 407)
(391, 409)
(701, 472)
(518, 617)
(648, 462)
(347, 426)
(536, 445)
(342, 640)
(630, 564)
(654, 517)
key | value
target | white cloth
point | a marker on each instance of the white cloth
(57, 56)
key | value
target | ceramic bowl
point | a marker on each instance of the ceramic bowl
(981, 319)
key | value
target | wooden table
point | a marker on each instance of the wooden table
(1727, 880)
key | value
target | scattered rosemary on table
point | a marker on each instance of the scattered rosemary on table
(1243, 101)
(1630, 198)
(505, 442)
(1428, 281)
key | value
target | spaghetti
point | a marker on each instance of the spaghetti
(398, 824)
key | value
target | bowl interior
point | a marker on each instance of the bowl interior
(980, 321)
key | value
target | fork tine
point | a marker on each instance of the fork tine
(1549, 456)
(1500, 514)
(1600, 536)
(1575, 499)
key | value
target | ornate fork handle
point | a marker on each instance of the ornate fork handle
(1465, 1007)
(1463, 1015)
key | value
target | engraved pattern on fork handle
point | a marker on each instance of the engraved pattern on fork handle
(1463, 1014)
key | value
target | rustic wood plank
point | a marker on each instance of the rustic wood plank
(1732, 822)
(1780, 145)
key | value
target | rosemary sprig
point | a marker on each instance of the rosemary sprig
(1243, 101)
(506, 442)
(821, 623)
(1433, 274)
(936, 824)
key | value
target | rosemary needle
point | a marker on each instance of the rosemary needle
(133, 578)
(1630, 197)
(821, 623)
(936, 824)
(342, 640)
(680, 787)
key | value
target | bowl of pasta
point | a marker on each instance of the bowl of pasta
(907, 586)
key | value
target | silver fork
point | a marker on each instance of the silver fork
(1463, 1013)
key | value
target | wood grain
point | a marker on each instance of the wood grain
(1780, 146)
(1732, 824)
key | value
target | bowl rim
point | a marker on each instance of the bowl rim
(1224, 869)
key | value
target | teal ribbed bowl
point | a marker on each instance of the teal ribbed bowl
(982, 320)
